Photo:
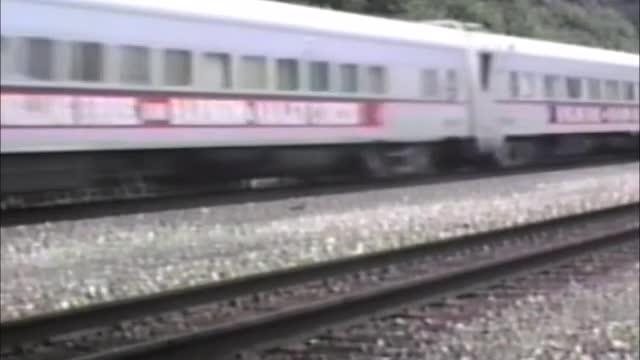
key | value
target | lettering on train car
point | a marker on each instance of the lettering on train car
(266, 113)
(36, 110)
(153, 111)
(569, 114)
(208, 112)
(65, 110)
(94, 110)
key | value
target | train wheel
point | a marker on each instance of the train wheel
(383, 163)
(418, 160)
(515, 153)
(375, 163)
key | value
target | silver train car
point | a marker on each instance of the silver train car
(100, 91)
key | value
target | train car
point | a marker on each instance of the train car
(541, 98)
(103, 91)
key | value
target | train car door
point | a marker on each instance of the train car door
(483, 107)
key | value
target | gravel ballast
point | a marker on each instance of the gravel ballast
(63, 265)
(580, 323)
(590, 311)
(182, 321)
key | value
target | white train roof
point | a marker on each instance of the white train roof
(543, 48)
(284, 15)
(326, 20)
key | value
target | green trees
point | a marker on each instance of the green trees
(610, 24)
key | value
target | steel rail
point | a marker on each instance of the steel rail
(59, 323)
(276, 329)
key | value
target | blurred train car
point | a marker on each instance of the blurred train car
(101, 91)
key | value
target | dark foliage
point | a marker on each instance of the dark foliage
(604, 23)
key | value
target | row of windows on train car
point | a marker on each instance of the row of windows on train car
(87, 64)
(526, 86)
(36, 59)
(431, 87)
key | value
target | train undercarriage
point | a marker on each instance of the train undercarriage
(141, 171)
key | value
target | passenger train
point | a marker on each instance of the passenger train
(101, 91)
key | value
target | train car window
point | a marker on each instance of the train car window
(254, 72)
(216, 70)
(629, 91)
(39, 64)
(452, 84)
(377, 79)
(4, 59)
(86, 61)
(288, 74)
(514, 84)
(595, 89)
(574, 88)
(551, 86)
(528, 85)
(177, 67)
(319, 76)
(430, 84)
(134, 65)
(485, 70)
(612, 90)
(349, 78)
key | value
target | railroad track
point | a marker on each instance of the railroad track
(550, 313)
(267, 309)
(235, 194)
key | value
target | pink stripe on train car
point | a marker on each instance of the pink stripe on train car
(574, 113)
(64, 110)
